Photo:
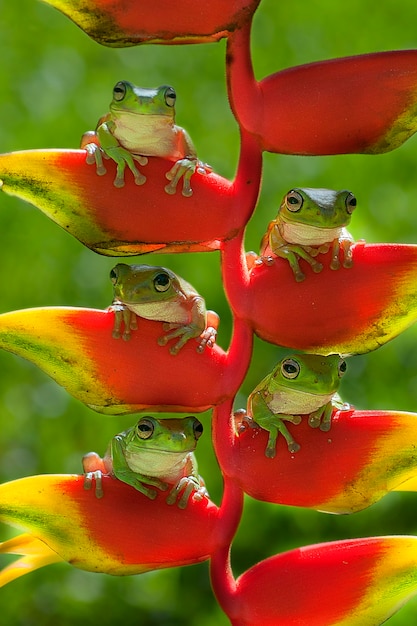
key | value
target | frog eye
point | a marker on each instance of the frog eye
(170, 96)
(119, 91)
(198, 429)
(293, 201)
(113, 276)
(342, 367)
(162, 282)
(145, 428)
(350, 203)
(290, 368)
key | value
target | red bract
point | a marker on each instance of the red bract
(133, 220)
(120, 23)
(369, 452)
(348, 311)
(344, 583)
(124, 532)
(76, 348)
(363, 104)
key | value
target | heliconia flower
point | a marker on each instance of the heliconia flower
(124, 532)
(360, 104)
(76, 348)
(342, 583)
(122, 23)
(370, 453)
(134, 220)
(348, 311)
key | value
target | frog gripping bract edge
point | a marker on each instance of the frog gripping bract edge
(150, 368)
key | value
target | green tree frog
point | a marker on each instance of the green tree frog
(153, 453)
(141, 123)
(301, 384)
(309, 221)
(156, 293)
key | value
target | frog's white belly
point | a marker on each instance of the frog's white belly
(172, 312)
(147, 135)
(306, 235)
(297, 402)
(167, 466)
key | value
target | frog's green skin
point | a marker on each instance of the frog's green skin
(156, 293)
(141, 123)
(301, 384)
(153, 452)
(309, 221)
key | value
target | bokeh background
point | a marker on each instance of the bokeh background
(54, 85)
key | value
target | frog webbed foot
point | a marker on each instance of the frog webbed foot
(185, 168)
(122, 314)
(242, 421)
(95, 476)
(209, 335)
(95, 155)
(207, 338)
(322, 417)
(123, 157)
(275, 425)
(184, 332)
(143, 484)
(346, 246)
(293, 253)
(187, 485)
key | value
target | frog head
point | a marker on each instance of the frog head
(322, 208)
(127, 98)
(164, 435)
(307, 373)
(140, 284)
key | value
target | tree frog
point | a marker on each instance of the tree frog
(156, 293)
(309, 221)
(156, 452)
(301, 384)
(141, 123)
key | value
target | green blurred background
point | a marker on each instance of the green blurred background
(55, 83)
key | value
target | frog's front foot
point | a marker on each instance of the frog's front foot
(185, 333)
(95, 155)
(122, 315)
(96, 476)
(321, 418)
(187, 485)
(185, 168)
(346, 246)
(275, 425)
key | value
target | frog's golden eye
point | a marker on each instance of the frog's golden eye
(342, 367)
(293, 201)
(198, 428)
(170, 96)
(290, 368)
(119, 91)
(350, 203)
(145, 428)
(162, 282)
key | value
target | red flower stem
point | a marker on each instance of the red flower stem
(222, 578)
(240, 77)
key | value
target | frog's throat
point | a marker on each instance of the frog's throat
(307, 235)
(164, 311)
(295, 402)
(157, 463)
